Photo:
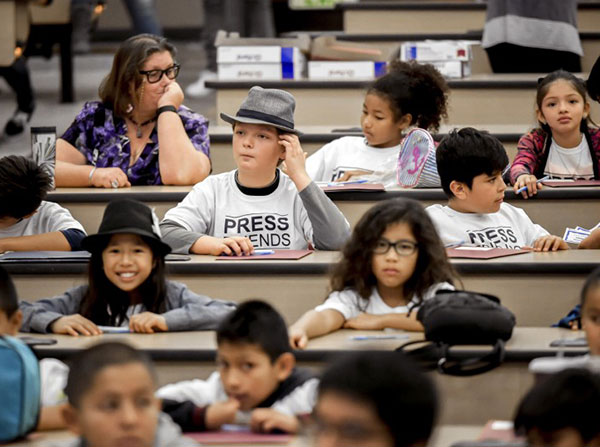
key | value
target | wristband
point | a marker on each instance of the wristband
(168, 108)
(91, 174)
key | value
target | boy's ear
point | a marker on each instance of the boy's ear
(284, 365)
(459, 189)
(15, 322)
(71, 418)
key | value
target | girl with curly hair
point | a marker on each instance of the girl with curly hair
(393, 261)
(410, 94)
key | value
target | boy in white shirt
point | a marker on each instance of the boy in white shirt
(256, 205)
(470, 164)
(27, 221)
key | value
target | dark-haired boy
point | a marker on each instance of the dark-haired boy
(256, 382)
(470, 164)
(27, 222)
(561, 411)
(374, 399)
(110, 391)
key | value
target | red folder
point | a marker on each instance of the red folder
(476, 253)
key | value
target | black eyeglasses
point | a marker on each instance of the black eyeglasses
(153, 76)
(402, 247)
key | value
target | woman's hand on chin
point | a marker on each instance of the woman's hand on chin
(173, 95)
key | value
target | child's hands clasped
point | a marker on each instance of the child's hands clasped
(265, 420)
(74, 325)
(221, 413)
(148, 323)
(529, 181)
(550, 243)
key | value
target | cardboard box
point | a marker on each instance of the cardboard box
(328, 48)
(436, 50)
(345, 70)
(259, 72)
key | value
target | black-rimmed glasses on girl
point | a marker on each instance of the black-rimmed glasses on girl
(402, 247)
(153, 76)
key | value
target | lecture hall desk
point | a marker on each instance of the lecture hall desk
(472, 400)
(315, 137)
(539, 288)
(553, 208)
(440, 17)
(478, 99)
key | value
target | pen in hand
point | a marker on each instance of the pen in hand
(523, 188)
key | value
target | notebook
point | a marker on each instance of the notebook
(353, 187)
(483, 252)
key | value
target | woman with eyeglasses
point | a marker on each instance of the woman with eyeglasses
(139, 133)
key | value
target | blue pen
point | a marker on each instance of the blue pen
(523, 188)
(353, 182)
(263, 252)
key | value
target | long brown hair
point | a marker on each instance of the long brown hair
(355, 269)
(114, 90)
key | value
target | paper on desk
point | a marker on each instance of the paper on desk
(45, 256)
(353, 187)
(483, 252)
(279, 254)
(114, 329)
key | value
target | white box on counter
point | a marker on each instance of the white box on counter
(345, 70)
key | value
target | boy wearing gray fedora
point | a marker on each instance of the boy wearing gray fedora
(256, 206)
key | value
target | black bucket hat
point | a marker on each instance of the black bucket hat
(127, 216)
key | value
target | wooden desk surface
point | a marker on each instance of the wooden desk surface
(578, 206)
(539, 288)
(183, 356)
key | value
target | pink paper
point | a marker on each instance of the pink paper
(279, 254)
(238, 438)
(356, 187)
(484, 254)
(571, 184)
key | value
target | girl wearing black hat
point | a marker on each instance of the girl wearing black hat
(126, 284)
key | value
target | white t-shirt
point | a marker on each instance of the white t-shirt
(350, 153)
(510, 227)
(216, 207)
(49, 217)
(570, 163)
(350, 304)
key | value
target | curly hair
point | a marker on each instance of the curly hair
(355, 269)
(418, 89)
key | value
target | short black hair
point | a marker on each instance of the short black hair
(404, 397)
(86, 364)
(9, 302)
(23, 186)
(592, 281)
(568, 399)
(256, 322)
(466, 153)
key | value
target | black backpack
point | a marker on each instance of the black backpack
(459, 317)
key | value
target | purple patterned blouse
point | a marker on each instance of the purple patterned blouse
(102, 138)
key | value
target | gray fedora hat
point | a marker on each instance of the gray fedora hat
(269, 106)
